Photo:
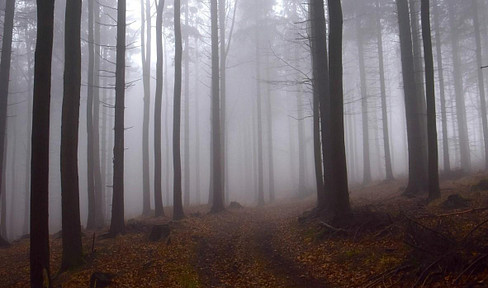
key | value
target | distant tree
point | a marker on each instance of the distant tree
(434, 190)
(186, 60)
(259, 111)
(177, 193)
(117, 224)
(39, 229)
(8, 26)
(71, 227)
(218, 193)
(158, 196)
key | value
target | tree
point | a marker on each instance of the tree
(218, 195)
(158, 196)
(434, 190)
(71, 227)
(259, 106)
(177, 194)
(416, 165)
(117, 224)
(4, 85)
(39, 229)
(186, 90)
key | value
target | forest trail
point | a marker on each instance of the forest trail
(240, 252)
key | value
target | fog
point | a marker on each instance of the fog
(268, 60)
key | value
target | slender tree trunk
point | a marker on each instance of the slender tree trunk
(8, 26)
(117, 225)
(416, 182)
(178, 203)
(481, 83)
(459, 92)
(158, 196)
(440, 71)
(338, 175)
(28, 148)
(39, 230)
(259, 110)
(223, 90)
(197, 130)
(218, 193)
(364, 105)
(70, 193)
(3, 198)
(384, 110)
(434, 190)
(269, 113)
(186, 58)
(146, 80)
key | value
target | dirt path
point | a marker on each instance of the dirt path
(240, 253)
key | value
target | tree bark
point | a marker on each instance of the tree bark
(70, 193)
(259, 109)
(39, 230)
(186, 57)
(178, 204)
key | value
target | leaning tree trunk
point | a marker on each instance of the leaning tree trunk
(8, 26)
(117, 224)
(158, 196)
(39, 229)
(70, 193)
(434, 190)
(218, 193)
(177, 198)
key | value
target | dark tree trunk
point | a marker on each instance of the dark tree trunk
(364, 104)
(259, 109)
(158, 196)
(117, 224)
(440, 71)
(434, 190)
(70, 193)
(197, 130)
(384, 112)
(337, 184)
(481, 83)
(8, 26)
(417, 181)
(178, 203)
(146, 80)
(459, 91)
(218, 193)
(186, 57)
(39, 230)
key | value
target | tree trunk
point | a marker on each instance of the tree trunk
(384, 110)
(459, 91)
(187, 111)
(197, 130)
(434, 190)
(440, 71)
(218, 193)
(178, 204)
(8, 26)
(481, 83)
(70, 193)
(158, 196)
(259, 109)
(338, 175)
(417, 177)
(223, 89)
(117, 224)
(39, 230)
(364, 104)
(269, 122)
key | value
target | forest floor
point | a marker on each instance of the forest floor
(395, 242)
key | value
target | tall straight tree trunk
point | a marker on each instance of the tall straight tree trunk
(300, 124)
(146, 80)
(223, 90)
(8, 26)
(364, 104)
(197, 130)
(186, 58)
(269, 123)
(70, 193)
(440, 71)
(416, 167)
(117, 224)
(434, 190)
(166, 127)
(338, 175)
(158, 196)
(259, 109)
(321, 88)
(177, 198)
(481, 83)
(218, 193)
(384, 108)
(39, 219)
(459, 92)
